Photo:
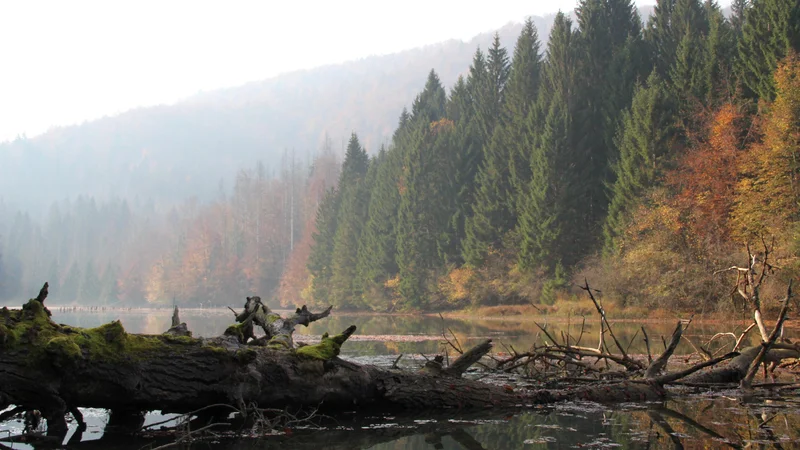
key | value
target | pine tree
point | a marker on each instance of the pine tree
(352, 214)
(490, 90)
(377, 247)
(319, 259)
(550, 225)
(420, 218)
(429, 106)
(738, 9)
(642, 140)
(771, 30)
(493, 210)
(414, 243)
(718, 55)
(608, 42)
(550, 209)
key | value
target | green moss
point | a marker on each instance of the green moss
(272, 317)
(236, 330)
(64, 352)
(63, 346)
(111, 342)
(245, 355)
(185, 340)
(328, 348)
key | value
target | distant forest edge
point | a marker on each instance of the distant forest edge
(641, 156)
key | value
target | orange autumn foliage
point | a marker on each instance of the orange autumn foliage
(707, 175)
(767, 196)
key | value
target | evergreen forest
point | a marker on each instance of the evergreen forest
(643, 156)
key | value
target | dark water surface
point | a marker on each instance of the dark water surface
(690, 419)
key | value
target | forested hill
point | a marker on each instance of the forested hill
(170, 153)
(644, 158)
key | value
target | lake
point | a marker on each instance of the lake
(692, 418)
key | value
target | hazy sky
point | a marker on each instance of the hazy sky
(64, 62)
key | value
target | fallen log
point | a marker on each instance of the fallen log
(57, 368)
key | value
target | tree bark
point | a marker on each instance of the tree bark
(57, 368)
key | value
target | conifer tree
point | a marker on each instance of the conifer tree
(550, 225)
(642, 140)
(419, 215)
(414, 243)
(718, 53)
(377, 246)
(606, 69)
(321, 254)
(771, 30)
(550, 212)
(352, 214)
(493, 210)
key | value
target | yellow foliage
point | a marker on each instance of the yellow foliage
(456, 284)
(442, 125)
(392, 283)
(767, 200)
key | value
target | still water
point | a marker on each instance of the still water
(690, 419)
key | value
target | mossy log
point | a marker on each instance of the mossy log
(57, 368)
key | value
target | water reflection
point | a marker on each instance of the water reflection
(383, 334)
(688, 422)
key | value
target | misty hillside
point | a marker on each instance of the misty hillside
(169, 153)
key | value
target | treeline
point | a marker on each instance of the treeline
(123, 253)
(644, 154)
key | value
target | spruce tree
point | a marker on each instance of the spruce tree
(458, 144)
(414, 242)
(550, 211)
(2, 273)
(493, 210)
(429, 105)
(550, 226)
(606, 69)
(420, 214)
(661, 41)
(490, 92)
(643, 141)
(351, 216)
(718, 54)
(321, 254)
(770, 31)
(377, 246)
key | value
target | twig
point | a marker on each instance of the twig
(765, 346)
(394, 364)
(647, 344)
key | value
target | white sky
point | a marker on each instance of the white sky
(64, 62)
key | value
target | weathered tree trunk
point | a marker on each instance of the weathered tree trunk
(57, 368)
